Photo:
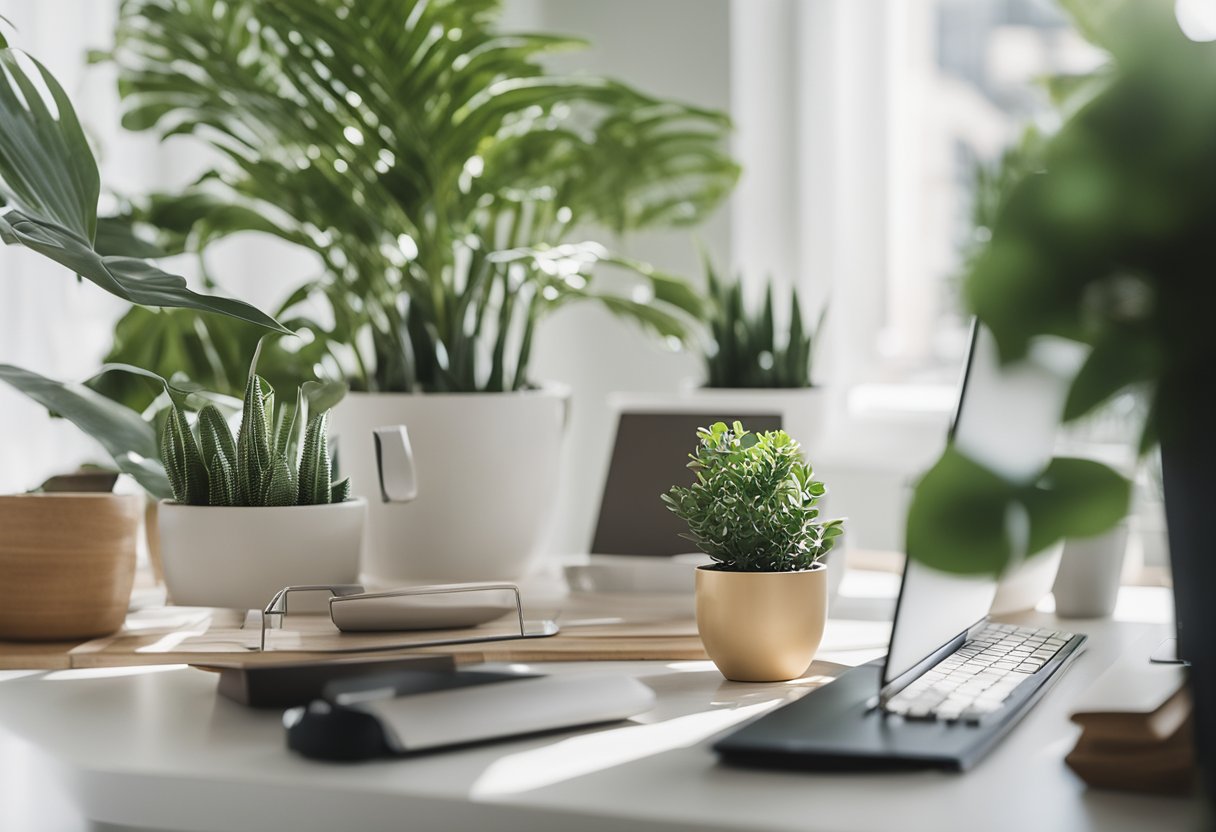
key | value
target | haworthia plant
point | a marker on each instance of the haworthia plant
(267, 464)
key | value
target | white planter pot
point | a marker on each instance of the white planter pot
(487, 468)
(1087, 583)
(238, 557)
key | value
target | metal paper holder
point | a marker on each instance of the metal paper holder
(277, 608)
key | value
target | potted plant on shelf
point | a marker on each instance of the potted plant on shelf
(445, 179)
(254, 514)
(67, 560)
(1107, 243)
(762, 604)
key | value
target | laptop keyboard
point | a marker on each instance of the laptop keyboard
(975, 680)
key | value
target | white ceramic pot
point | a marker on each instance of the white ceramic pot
(1087, 584)
(487, 467)
(238, 557)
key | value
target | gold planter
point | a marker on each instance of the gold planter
(67, 563)
(762, 626)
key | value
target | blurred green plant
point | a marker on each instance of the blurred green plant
(443, 177)
(1106, 242)
(745, 348)
(752, 507)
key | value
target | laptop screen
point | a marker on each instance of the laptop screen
(649, 456)
(1007, 419)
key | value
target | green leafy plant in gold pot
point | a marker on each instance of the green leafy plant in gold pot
(762, 604)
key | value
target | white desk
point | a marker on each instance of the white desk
(155, 748)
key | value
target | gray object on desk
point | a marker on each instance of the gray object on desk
(649, 456)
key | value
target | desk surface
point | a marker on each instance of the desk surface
(154, 747)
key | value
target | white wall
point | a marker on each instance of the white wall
(674, 48)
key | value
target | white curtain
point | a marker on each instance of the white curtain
(49, 321)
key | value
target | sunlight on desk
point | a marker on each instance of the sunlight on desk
(589, 753)
(108, 672)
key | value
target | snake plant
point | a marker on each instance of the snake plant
(272, 461)
(745, 348)
(446, 179)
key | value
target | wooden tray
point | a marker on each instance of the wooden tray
(185, 635)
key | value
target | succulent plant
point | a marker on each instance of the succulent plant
(745, 349)
(271, 462)
(752, 507)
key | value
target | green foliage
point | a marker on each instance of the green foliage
(206, 466)
(967, 519)
(49, 188)
(752, 507)
(443, 177)
(746, 349)
(1105, 240)
(126, 436)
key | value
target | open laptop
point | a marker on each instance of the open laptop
(952, 682)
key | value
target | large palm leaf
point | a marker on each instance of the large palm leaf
(406, 142)
(49, 188)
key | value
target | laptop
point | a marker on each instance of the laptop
(952, 682)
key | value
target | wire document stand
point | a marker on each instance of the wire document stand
(276, 611)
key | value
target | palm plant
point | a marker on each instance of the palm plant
(445, 179)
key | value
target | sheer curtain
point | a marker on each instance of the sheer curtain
(49, 321)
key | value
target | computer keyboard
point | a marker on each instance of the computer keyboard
(974, 681)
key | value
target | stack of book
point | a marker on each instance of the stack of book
(1136, 731)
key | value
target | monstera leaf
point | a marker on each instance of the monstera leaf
(48, 195)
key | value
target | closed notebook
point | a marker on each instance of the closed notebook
(1134, 702)
(1158, 767)
(1136, 730)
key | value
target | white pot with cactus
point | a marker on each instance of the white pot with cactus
(258, 512)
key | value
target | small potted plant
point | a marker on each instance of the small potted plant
(254, 514)
(762, 604)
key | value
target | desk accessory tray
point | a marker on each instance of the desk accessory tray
(362, 615)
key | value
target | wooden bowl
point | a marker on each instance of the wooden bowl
(67, 563)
